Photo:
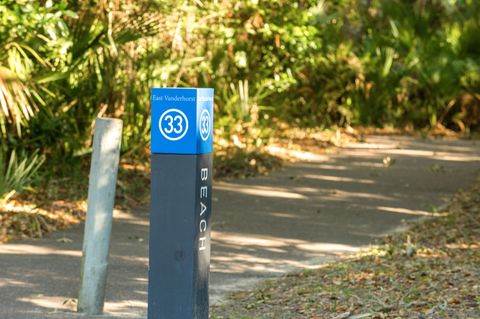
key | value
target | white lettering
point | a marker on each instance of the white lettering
(204, 174)
(203, 225)
(203, 191)
(201, 242)
(203, 208)
(180, 98)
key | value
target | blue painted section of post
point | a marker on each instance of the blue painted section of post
(180, 209)
(181, 121)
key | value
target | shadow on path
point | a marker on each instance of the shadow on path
(308, 213)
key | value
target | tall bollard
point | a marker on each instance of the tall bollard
(98, 226)
(181, 190)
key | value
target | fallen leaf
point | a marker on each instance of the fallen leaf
(388, 161)
(64, 240)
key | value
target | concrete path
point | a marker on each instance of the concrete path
(310, 212)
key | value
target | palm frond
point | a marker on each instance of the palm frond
(17, 100)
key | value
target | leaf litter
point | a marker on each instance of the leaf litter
(430, 271)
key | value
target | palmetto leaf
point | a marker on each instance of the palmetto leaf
(17, 100)
(130, 29)
(17, 172)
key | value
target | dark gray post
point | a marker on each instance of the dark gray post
(181, 192)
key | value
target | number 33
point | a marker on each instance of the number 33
(175, 124)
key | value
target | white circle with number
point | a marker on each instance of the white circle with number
(173, 124)
(205, 125)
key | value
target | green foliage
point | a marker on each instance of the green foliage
(307, 63)
(17, 172)
(25, 51)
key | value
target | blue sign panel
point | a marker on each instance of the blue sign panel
(182, 121)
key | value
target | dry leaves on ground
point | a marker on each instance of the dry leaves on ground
(19, 220)
(431, 271)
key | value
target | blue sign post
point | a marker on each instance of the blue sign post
(180, 209)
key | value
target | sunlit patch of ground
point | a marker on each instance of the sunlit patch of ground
(21, 220)
(60, 202)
